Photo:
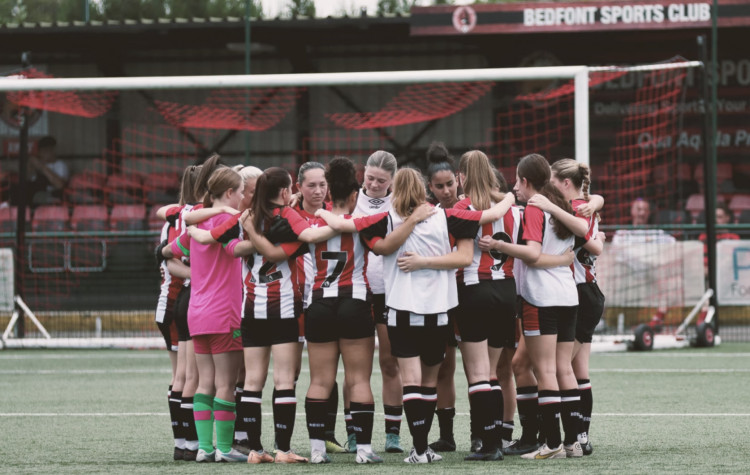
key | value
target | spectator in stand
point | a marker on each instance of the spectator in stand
(723, 216)
(640, 212)
(48, 174)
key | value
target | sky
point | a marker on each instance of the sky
(324, 8)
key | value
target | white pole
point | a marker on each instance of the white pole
(18, 83)
(581, 111)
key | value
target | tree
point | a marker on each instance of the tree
(301, 8)
(395, 6)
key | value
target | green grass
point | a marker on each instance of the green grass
(667, 411)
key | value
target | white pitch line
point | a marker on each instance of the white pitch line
(302, 414)
(85, 371)
(677, 355)
(669, 370)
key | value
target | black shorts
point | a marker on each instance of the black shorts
(180, 315)
(168, 330)
(487, 311)
(590, 310)
(331, 319)
(378, 309)
(269, 332)
(560, 321)
(426, 342)
(453, 335)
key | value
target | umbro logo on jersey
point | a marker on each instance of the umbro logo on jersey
(376, 202)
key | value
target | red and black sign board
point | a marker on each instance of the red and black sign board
(533, 17)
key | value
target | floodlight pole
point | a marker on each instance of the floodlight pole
(23, 163)
(247, 71)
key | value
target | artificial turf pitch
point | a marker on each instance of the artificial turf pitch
(682, 411)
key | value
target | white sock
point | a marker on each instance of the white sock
(317, 445)
(364, 447)
(179, 443)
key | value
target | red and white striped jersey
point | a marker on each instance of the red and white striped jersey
(305, 264)
(340, 264)
(491, 265)
(551, 287)
(272, 289)
(584, 264)
(170, 285)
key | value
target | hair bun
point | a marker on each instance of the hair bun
(438, 153)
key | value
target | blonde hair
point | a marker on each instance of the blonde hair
(480, 183)
(408, 191)
(578, 173)
(248, 173)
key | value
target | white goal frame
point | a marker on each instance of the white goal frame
(579, 74)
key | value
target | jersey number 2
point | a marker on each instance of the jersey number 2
(340, 258)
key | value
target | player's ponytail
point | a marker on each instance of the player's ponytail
(211, 164)
(480, 183)
(267, 189)
(187, 185)
(537, 172)
(578, 173)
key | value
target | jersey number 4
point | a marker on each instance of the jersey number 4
(340, 258)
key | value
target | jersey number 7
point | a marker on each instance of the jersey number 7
(340, 258)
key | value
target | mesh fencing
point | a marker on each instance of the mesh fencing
(88, 266)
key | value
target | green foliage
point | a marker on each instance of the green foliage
(395, 6)
(297, 8)
(17, 11)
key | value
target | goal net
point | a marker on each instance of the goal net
(87, 268)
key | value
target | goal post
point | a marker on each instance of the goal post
(612, 118)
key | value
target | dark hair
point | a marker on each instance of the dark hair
(308, 166)
(187, 185)
(221, 180)
(536, 170)
(46, 142)
(342, 179)
(267, 188)
(440, 160)
(210, 165)
(724, 207)
(502, 183)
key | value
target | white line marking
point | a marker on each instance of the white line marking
(668, 370)
(85, 371)
(679, 355)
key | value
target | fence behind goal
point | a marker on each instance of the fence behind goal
(88, 271)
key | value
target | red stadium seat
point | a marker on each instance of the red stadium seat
(89, 218)
(161, 188)
(723, 172)
(85, 188)
(50, 218)
(128, 218)
(124, 189)
(154, 223)
(9, 217)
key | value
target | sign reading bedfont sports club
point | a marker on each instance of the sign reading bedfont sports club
(575, 16)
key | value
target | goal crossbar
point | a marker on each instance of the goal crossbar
(579, 74)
